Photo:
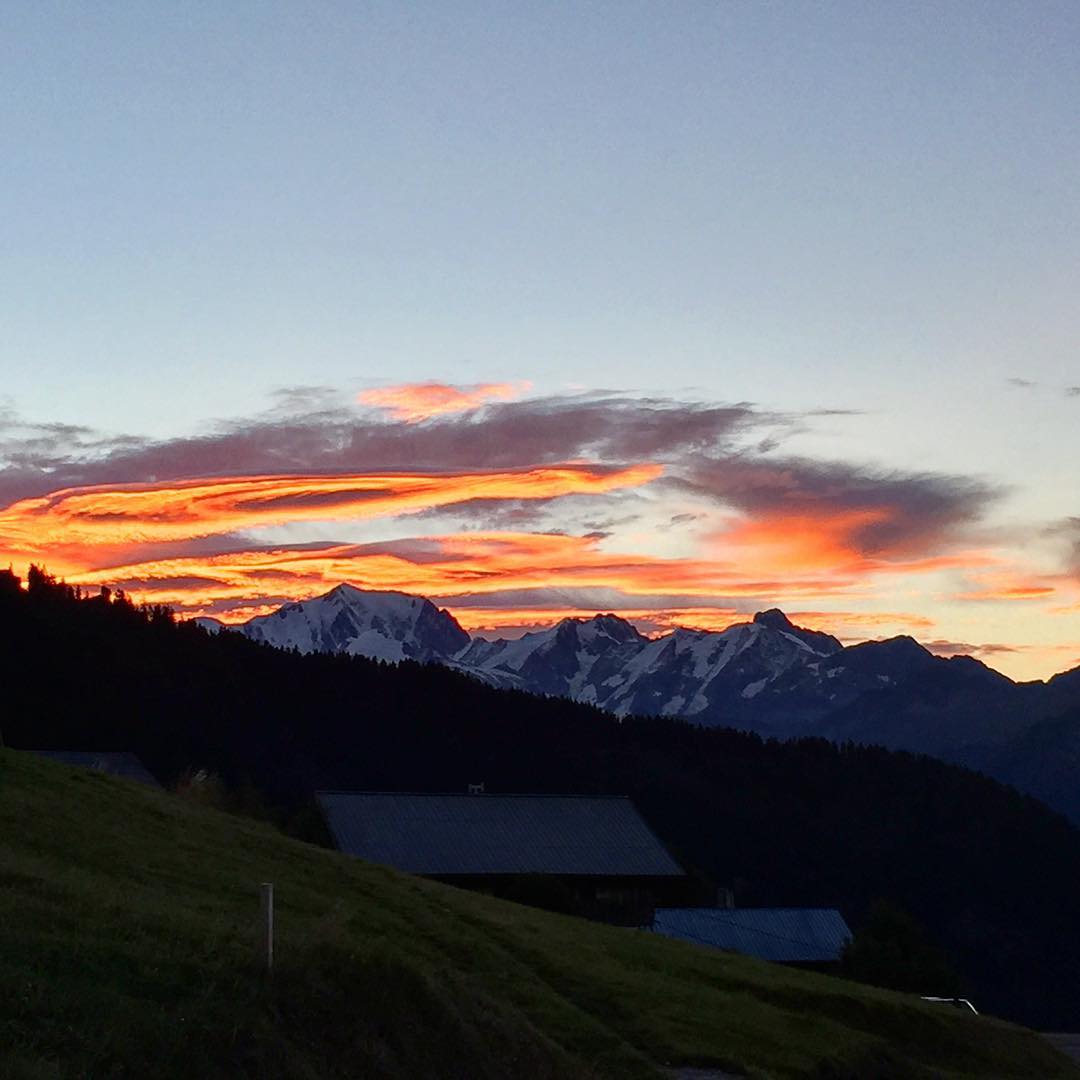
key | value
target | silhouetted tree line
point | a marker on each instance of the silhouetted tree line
(989, 873)
(891, 949)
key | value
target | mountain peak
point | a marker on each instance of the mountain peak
(616, 627)
(774, 618)
(345, 588)
(608, 625)
(383, 625)
(819, 642)
(353, 594)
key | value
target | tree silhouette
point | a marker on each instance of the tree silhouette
(890, 949)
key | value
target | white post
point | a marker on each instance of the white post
(266, 925)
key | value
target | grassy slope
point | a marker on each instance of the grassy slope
(127, 937)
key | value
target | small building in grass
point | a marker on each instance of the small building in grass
(112, 763)
(806, 937)
(587, 855)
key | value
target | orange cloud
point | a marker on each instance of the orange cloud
(846, 625)
(648, 620)
(74, 528)
(1010, 585)
(237, 585)
(859, 625)
(802, 542)
(827, 543)
(415, 402)
(465, 564)
(192, 544)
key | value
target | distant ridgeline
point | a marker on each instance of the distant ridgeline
(990, 874)
(766, 675)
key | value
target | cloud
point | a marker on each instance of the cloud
(581, 598)
(35, 453)
(558, 494)
(859, 625)
(115, 519)
(653, 620)
(512, 622)
(545, 430)
(963, 648)
(1072, 391)
(305, 399)
(497, 582)
(413, 403)
(1022, 384)
(832, 509)
(467, 564)
(1068, 530)
(506, 435)
(1004, 585)
(1024, 661)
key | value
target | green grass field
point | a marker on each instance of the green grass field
(128, 949)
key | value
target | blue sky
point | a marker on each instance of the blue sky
(862, 208)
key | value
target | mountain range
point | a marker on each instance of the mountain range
(766, 676)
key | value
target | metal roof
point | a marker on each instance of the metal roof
(497, 834)
(115, 764)
(783, 935)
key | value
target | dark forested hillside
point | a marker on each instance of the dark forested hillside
(1044, 758)
(989, 873)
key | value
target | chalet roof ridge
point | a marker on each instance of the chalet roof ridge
(462, 834)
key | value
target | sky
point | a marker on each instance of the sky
(680, 311)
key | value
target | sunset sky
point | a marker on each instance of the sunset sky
(679, 311)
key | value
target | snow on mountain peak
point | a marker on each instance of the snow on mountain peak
(381, 625)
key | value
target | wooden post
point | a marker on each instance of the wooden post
(266, 925)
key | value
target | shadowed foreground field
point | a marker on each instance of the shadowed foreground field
(127, 949)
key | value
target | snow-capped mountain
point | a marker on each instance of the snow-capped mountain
(766, 675)
(582, 659)
(381, 625)
(604, 661)
(702, 674)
